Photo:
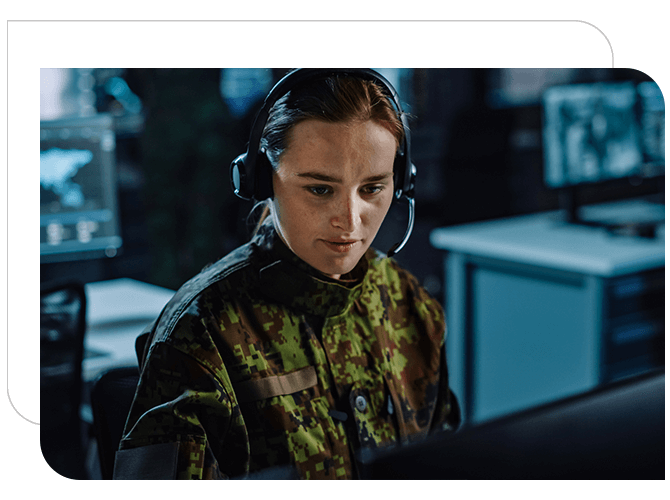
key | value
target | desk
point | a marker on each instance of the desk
(538, 309)
(117, 311)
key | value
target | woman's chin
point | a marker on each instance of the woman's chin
(339, 269)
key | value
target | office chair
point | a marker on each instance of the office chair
(62, 330)
(111, 397)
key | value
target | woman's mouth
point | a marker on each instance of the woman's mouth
(340, 246)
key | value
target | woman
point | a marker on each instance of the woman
(304, 347)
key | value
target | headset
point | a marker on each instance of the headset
(251, 172)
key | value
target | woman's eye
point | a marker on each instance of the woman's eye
(319, 190)
(373, 189)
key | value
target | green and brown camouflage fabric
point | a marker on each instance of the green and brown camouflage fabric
(261, 361)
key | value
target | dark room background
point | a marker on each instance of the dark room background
(476, 141)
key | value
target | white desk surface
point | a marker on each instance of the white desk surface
(543, 239)
(116, 313)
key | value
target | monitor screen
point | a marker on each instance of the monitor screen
(78, 196)
(613, 432)
(602, 131)
(652, 124)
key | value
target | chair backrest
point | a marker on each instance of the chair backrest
(62, 330)
(111, 397)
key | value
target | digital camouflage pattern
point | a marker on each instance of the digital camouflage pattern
(261, 361)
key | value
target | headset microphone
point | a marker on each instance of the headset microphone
(251, 172)
(410, 223)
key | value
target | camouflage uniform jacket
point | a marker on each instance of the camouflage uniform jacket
(261, 361)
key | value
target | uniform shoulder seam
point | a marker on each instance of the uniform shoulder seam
(193, 288)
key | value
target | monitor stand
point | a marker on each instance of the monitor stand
(643, 227)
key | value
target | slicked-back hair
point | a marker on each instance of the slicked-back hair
(333, 99)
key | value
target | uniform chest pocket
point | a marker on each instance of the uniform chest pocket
(278, 385)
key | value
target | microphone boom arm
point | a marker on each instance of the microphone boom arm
(410, 225)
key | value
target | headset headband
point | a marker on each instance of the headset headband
(247, 176)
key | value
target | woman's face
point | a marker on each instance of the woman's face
(332, 190)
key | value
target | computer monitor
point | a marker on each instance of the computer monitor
(602, 131)
(652, 127)
(78, 194)
(615, 432)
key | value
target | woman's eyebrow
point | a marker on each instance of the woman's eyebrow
(327, 178)
(319, 177)
(380, 177)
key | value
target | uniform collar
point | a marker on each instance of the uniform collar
(289, 280)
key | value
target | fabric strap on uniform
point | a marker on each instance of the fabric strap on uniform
(156, 461)
(254, 390)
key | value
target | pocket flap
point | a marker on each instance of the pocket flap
(279, 385)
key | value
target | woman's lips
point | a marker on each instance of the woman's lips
(340, 246)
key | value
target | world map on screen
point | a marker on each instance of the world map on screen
(58, 167)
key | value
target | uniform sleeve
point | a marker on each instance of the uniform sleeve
(178, 421)
(429, 314)
(447, 415)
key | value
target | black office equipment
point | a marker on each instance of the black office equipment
(111, 397)
(78, 196)
(633, 324)
(62, 330)
(615, 432)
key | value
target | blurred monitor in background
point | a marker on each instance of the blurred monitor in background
(603, 131)
(652, 125)
(78, 199)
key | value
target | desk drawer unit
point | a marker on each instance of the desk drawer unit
(520, 336)
(634, 324)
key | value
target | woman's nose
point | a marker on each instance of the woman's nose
(347, 214)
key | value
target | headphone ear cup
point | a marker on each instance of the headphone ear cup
(238, 177)
(398, 176)
(411, 183)
(263, 178)
(404, 176)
